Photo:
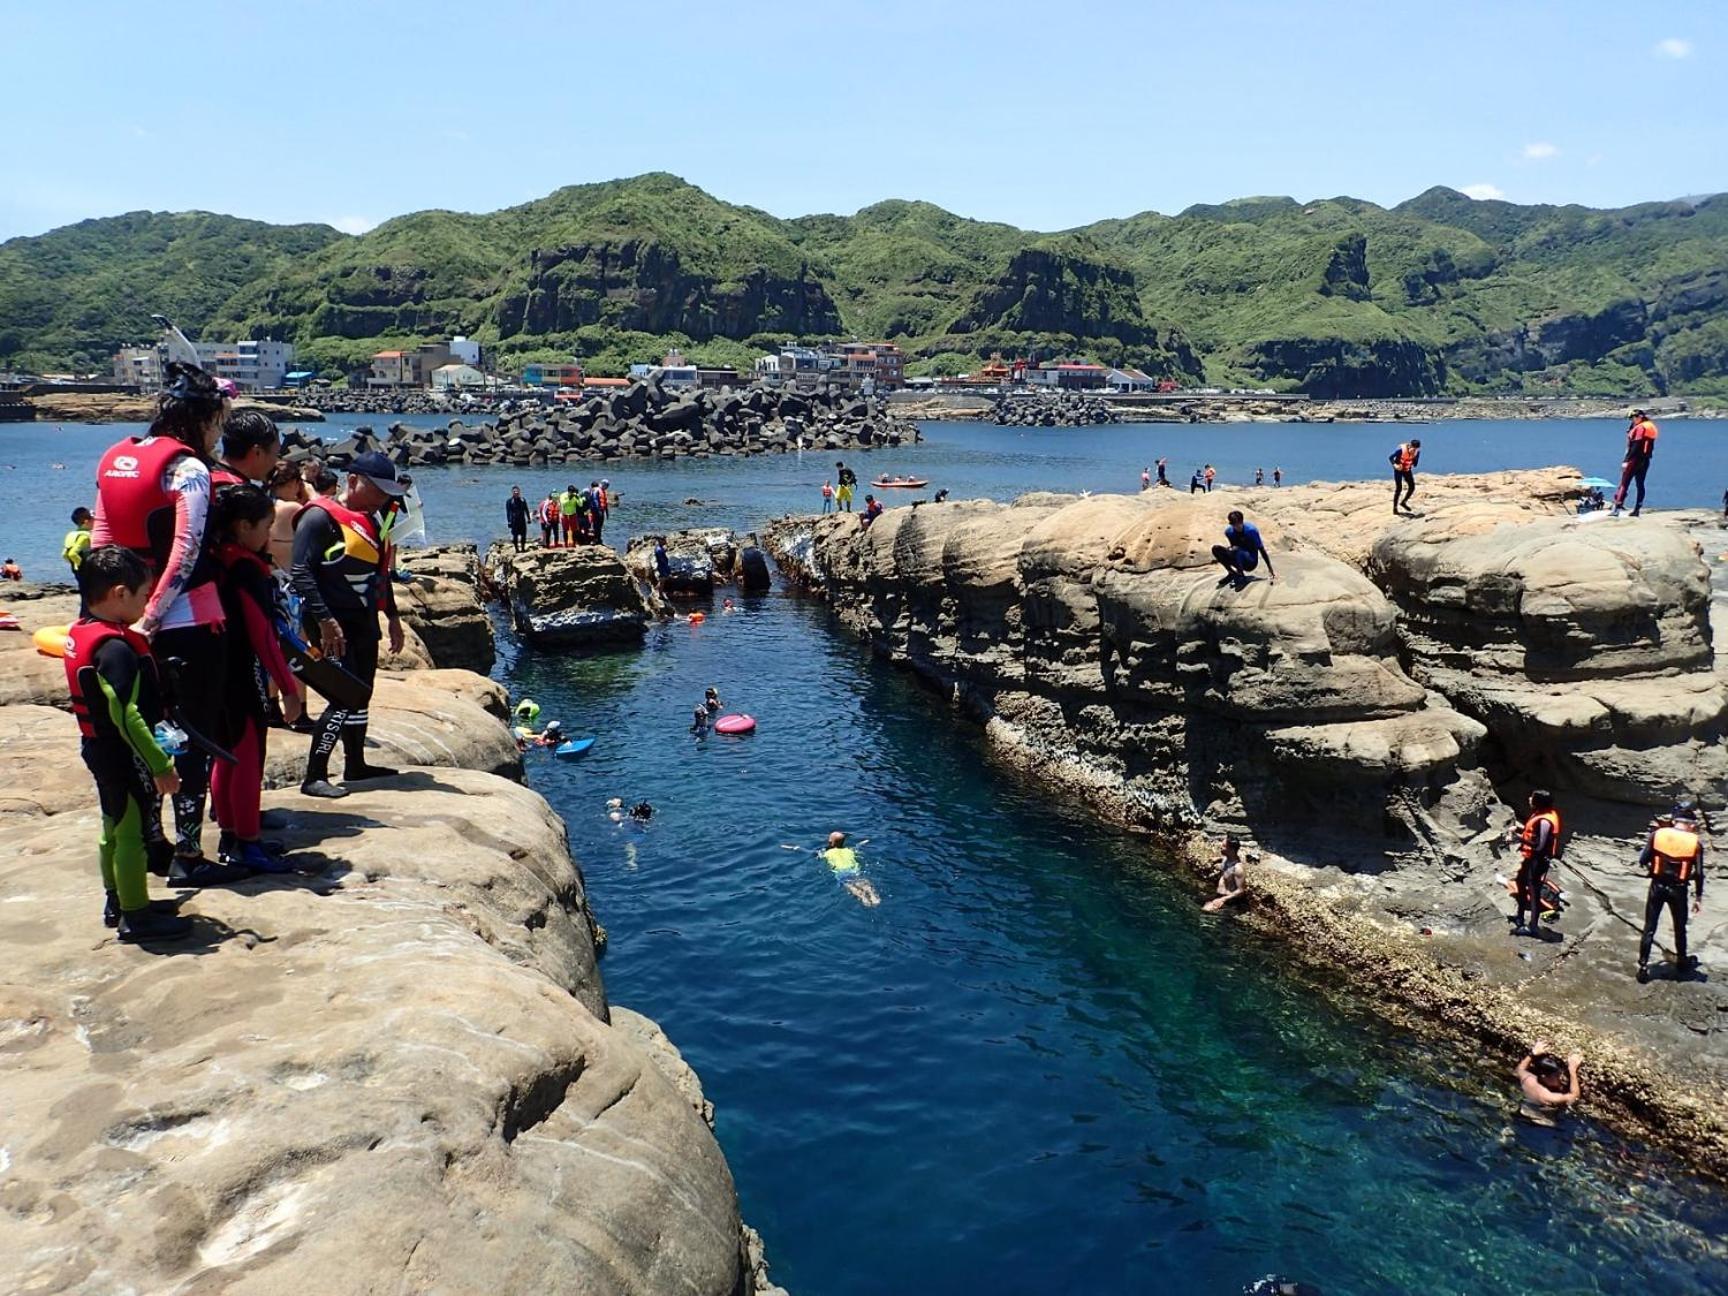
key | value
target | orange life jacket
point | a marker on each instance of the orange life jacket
(1529, 841)
(1406, 458)
(1673, 852)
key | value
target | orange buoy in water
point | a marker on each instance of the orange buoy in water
(50, 641)
(697, 618)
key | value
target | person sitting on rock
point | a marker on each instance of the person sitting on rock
(1548, 1084)
(872, 511)
(10, 570)
(1241, 553)
(1232, 876)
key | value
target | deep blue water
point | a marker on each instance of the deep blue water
(1035, 1067)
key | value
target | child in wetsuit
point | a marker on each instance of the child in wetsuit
(117, 702)
(240, 522)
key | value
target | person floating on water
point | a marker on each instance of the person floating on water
(1539, 845)
(550, 736)
(527, 715)
(76, 545)
(711, 700)
(848, 483)
(1241, 553)
(1232, 875)
(1673, 856)
(699, 719)
(842, 861)
(1640, 449)
(1548, 1083)
(1403, 461)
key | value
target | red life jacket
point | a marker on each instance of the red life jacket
(83, 638)
(1528, 846)
(223, 475)
(138, 512)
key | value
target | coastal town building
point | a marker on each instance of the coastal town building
(1130, 380)
(408, 368)
(465, 351)
(253, 364)
(1068, 375)
(455, 377)
(552, 374)
(870, 366)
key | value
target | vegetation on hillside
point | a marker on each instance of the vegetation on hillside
(1339, 296)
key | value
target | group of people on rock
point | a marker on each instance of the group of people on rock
(216, 581)
(572, 517)
(1202, 479)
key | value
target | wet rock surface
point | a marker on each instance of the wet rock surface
(576, 597)
(1374, 719)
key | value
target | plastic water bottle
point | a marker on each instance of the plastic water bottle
(170, 738)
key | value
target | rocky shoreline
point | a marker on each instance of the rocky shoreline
(395, 1070)
(1369, 720)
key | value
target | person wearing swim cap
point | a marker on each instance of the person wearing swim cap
(842, 861)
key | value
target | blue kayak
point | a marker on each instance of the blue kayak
(574, 748)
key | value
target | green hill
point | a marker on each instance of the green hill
(1337, 297)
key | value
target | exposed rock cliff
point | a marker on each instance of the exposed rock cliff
(581, 597)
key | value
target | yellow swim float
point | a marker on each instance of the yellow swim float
(50, 641)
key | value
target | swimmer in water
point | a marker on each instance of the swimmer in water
(1548, 1085)
(699, 719)
(842, 860)
(1232, 876)
(711, 699)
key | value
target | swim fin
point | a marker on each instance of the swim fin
(334, 681)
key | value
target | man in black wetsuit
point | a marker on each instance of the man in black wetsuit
(516, 515)
(341, 572)
(1673, 856)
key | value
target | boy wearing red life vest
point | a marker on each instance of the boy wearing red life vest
(1404, 460)
(1673, 856)
(117, 702)
(1539, 844)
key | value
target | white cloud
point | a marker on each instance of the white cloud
(1541, 149)
(1482, 192)
(354, 224)
(1674, 48)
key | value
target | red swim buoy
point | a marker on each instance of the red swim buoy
(735, 724)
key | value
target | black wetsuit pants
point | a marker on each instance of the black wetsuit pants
(519, 536)
(197, 662)
(361, 658)
(1532, 873)
(1671, 895)
(1403, 487)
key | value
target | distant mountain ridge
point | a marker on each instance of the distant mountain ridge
(1337, 297)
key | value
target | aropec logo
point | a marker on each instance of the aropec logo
(122, 466)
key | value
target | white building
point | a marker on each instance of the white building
(447, 377)
(465, 351)
(138, 367)
(254, 364)
(1129, 380)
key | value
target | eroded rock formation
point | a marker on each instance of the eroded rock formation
(578, 597)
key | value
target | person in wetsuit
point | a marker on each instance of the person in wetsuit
(1539, 846)
(1241, 553)
(1640, 449)
(117, 703)
(1404, 460)
(1673, 856)
(516, 518)
(341, 572)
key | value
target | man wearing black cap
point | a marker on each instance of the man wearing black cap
(341, 571)
(1640, 448)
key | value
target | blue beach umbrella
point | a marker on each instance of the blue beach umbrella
(1600, 483)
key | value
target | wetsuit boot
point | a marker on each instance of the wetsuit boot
(354, 765)
(317, 781)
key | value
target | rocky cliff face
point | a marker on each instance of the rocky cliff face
(581, 597)
(395, 1070)
(1333, 368)
(642, 285)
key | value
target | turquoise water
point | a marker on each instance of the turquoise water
(1035, 1067)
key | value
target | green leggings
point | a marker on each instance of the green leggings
(125, 802)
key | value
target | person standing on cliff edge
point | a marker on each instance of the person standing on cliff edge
(516, 516)
(1640, 449)
(1673, 856)
(1404, 460)
(1539, 844)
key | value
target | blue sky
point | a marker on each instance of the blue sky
(1044, 115)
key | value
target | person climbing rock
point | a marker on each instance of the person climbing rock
(342, 574)
(1539, 846)
(1548, 1083)
(1640, 449)
(1404, 460)
(1241, 553)
(1673, 856)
